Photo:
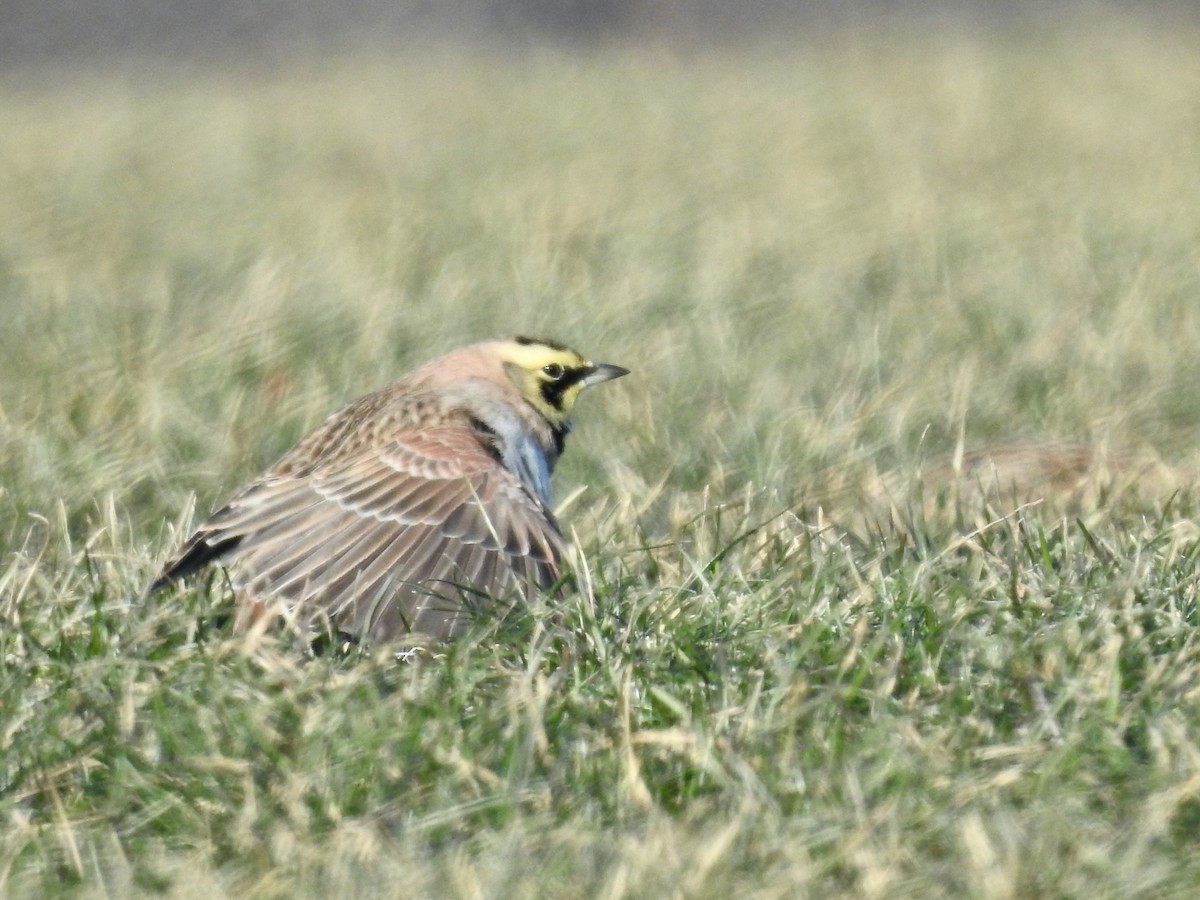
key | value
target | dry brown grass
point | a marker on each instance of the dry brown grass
(829, 264)
(1053, 478)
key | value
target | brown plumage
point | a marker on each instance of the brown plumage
(411, 505)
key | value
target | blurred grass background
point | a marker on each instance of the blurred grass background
(832, 263)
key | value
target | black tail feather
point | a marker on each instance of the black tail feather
(194, 558)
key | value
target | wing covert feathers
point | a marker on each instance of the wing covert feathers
(380, 539)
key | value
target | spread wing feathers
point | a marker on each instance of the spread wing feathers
(400, 538)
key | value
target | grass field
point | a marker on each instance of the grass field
(890, 542)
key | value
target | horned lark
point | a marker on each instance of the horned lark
(411, 505)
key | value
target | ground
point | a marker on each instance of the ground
(887, 576)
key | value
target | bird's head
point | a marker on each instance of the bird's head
(550, 376)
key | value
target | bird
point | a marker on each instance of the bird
(411, 508)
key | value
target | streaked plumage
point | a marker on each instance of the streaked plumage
(411, 504)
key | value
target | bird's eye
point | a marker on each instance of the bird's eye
(553, 371)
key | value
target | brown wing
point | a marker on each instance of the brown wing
(399, 538)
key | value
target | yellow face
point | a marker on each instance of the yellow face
(551, 376)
